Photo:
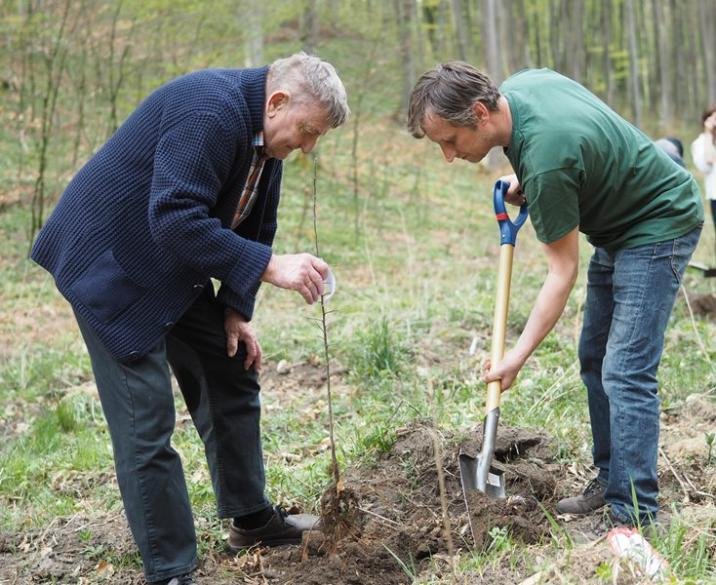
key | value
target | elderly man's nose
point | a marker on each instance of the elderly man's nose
(448, 153)
(308, 145)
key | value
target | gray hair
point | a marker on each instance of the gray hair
(450, 91)
(306, 76)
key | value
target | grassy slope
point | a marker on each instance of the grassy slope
(415, 283)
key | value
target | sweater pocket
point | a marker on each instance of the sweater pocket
(105, 288)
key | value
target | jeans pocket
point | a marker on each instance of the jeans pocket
(682, 250)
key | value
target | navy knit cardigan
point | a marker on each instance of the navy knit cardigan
(145, 224)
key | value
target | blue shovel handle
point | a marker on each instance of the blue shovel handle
(508, 228)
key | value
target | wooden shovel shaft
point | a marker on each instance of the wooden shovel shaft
(499, 322)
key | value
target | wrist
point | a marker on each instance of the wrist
(269, 271)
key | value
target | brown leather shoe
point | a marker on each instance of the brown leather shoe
(591, 499)
(281, 529)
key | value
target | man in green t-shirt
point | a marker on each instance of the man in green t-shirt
(581, 167)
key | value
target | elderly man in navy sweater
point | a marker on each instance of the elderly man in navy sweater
(187, 190)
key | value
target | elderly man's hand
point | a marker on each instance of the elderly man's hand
(514, 193)
(300, 272)
(239, 330)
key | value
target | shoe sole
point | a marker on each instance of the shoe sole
(268, 543)
(587, 513)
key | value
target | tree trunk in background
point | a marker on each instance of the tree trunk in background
(633, 64)
(404, 14)
(707, 18)
(310, 27)
(666, 101)
(495, 157)
(607, 62)
(491, 29)
(693, 64)
(254, 42)
(575, 39)
(461, 36)
(522, 40)
(431, 25)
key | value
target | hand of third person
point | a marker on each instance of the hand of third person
(514, 193)
(303, 273)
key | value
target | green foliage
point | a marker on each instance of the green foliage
(379, 351)
(604, 572)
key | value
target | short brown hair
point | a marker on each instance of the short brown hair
(708, 112)
(449, 91)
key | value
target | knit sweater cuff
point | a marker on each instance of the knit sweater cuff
(243, 305)
(246, 274)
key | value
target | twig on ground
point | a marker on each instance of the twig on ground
(447, 527)
(382, 518)
(700, 341)
(684, 489)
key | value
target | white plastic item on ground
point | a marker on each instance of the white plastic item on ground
(629, 544)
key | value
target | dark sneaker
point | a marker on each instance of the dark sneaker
(591, 499)
(281, 529)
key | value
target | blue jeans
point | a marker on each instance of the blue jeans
(630, 295)
(223, 400)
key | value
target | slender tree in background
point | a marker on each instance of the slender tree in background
(53, 58)
(707, 20)
(252, 16)
(633, 63)
(461, 29)
(310, 27)
(665, 87)
(404, 15)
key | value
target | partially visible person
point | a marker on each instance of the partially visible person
(673, 147)
(703, 153)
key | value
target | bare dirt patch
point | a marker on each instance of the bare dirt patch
(398, 528)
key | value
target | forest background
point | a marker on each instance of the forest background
(412, 241)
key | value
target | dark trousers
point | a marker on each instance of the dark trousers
(223, 399)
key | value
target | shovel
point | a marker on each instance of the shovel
(478, 473)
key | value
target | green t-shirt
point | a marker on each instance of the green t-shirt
(580, 164)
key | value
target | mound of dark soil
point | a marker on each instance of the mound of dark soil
(391, 521)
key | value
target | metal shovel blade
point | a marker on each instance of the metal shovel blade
(477, 473)
(495, 482)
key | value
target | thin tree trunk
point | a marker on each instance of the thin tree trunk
(607, 60)
(310, 27)
(492, 47)
(633, 63)
(707, 19)
(254, 42)
(404, 14)
(494, 63)
(461, 35)
(575, 38)
(666, 104)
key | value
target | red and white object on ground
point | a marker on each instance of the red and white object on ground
(629, 544)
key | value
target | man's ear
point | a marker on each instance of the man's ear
(482, 114)
(277, 101)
